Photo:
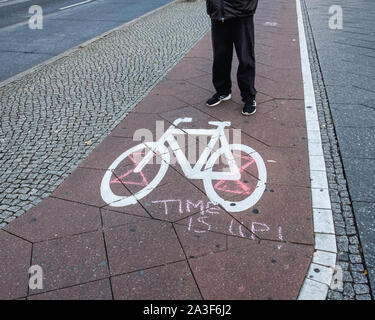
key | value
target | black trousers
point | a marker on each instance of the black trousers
(240, 33)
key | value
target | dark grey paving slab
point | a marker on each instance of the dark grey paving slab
(349, 94)
(365, 213)
(347, 63)
(352, 115)
(338, 76)
(360, 175)
(356, 142)
(360, 42)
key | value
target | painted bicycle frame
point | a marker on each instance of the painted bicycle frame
(197, 171)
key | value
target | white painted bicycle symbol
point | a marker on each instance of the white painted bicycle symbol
(203, 168)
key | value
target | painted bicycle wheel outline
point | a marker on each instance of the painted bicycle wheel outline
(254, 197)
(121, 201)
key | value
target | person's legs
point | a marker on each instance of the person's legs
(222, 45)
(244, 44)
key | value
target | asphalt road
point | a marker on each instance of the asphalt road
(66, 23)
(16, 11)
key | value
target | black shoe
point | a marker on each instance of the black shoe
(216, 99)
(249, 108)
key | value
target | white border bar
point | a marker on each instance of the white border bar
(319, 276)
(74, 5)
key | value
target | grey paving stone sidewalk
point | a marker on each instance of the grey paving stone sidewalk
(52, 118)
(345, 61)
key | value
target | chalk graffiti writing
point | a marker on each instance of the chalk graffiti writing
(203, 219)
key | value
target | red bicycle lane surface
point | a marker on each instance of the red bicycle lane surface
(160, 233)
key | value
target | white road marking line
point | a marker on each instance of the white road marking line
(77, 4)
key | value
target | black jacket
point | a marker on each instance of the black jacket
(227, 9)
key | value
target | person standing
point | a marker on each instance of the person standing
(232, 24)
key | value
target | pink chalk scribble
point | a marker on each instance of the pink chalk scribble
(241, 188)
(236, 186)
(122, 180)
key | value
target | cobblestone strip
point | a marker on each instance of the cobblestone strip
(53, 117)
(353, 284)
